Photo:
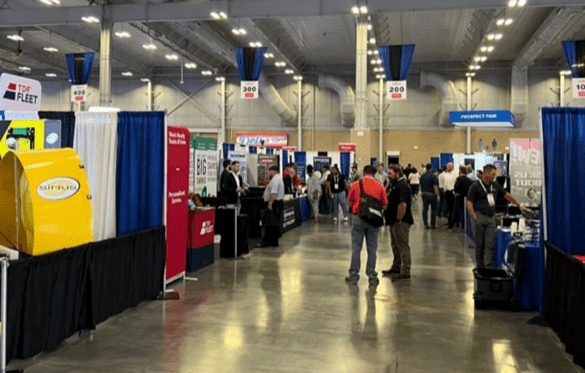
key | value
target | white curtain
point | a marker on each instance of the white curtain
(96, 141)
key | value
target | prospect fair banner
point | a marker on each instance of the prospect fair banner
(206, 166)
(526, 171)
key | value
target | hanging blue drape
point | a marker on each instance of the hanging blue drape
(284, 160)
(269, 151)
(563, 132)
(79, 66)
(445, 158)
(67, 119)
(140, 171)
(250, 61)
(344, 163)
(252, 150)
(575, 55)
(396, 60)
(435, 163)
(301, 161)
(225, 150)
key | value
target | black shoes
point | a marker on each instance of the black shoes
(348, 281)
(262, 244)
(400, 278)
(389, 272)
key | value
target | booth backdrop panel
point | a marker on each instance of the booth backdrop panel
(67, 119)
(435, 163)
(445, 158)
(140, 171)
(344, 163)
(563, 135)
(95, 143)
(564, 304)
(52, 296)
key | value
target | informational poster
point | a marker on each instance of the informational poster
(177, 195)
(320, 162)
(526, 171)
(264, 163)
(206, 166)
(240, 157)
(19, 94)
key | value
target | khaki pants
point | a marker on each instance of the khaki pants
(400, 248)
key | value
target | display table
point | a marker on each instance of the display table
(530, 287)
(304, 208)
(201, 231)
(291, 216)
(227, 231)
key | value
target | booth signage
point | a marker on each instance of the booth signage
(290, 148)
(249, 89)
(482, 118)
(79, 93)
(347, 148)
(265, 161)
(396, 90)
(242, 158)
(58, 188)
(578, 87)
(19, 93)
(206, 166)
(526, 171)
(268, 140)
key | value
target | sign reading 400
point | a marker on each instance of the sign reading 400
(249, 89)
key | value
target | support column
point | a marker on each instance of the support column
(360, 135)
(468, 109)
(562, 91)
(300, 115)
(105, 63)
(381, 127)
(221, 139)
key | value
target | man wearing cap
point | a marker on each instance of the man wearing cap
(356, 173)
(274, 197)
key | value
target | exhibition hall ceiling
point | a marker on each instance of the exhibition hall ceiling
(309, 36)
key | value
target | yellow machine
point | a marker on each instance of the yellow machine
(47, 193)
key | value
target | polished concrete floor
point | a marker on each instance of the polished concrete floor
(289, 310)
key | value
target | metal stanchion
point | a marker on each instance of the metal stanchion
(3, 314)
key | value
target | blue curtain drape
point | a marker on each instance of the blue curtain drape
(252, 150)
(396, 60)
(570, 51)
(301, 161)
(344, 163)
(563, 142)
(225, 150)
(435, 163)
(284, 160)
(445, 158)
(79, 66)
(250, 61)
(269, 151)
(140, 171)
(67, 119)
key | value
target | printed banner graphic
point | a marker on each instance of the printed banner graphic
(526, 171)
(264, 163)
(240, 157)
(268, 140)
(19, 94)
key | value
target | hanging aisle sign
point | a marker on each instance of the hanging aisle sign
(79, 93)
(396, 90)
(249, 89)
(578, 87)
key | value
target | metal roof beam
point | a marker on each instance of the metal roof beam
(190, 11)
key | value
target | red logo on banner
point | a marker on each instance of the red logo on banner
(347, 148)
(396, 95)
(290, 148)
(581, 94)
(249, 94)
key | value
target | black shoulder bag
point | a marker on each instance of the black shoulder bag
(370, 208)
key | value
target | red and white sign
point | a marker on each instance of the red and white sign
(396, 90)
(202, 227)
(349, 147)
(19, 94)
(578, 87)
(178, 146)
(290, 148)
(249, 89)
(271, 140)
(79, 93)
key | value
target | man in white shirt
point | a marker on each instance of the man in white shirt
(274, 198)
(381, 177)
(449, 179)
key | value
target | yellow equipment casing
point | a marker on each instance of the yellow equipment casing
(53, 198)
(29, 134)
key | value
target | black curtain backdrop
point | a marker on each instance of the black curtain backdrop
(564, 300)
(50, 297)
(67, 119)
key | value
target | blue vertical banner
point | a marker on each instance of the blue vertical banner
(301, 161)
(79, 67)
(250, 61)
(435, 163)
(344, 163)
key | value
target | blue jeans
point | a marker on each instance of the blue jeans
(339, 199)
(429, 199)
(359, 230)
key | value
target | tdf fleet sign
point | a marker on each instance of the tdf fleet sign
(19, 94)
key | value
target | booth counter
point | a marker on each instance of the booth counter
(201, 232)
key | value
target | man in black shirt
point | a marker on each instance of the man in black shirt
(400, 216)
(225, 174)
(481, 202)
(462, 185)
(337, 183)
(429, 187)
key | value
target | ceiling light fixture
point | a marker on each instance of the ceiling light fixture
(298, 78)
(370, 52)
(206, 72)
(127, 73)
(288, 71)
(220, 79)
(487, 49)
(191, 65)
(268, 55)
(15, 37)
(565, 72)
(369, 26)
(380, 76)
(372, 40)
(172, 57)
(474, 67)
(51, 75)
(122, 34)
(50, 49)
(218, 15)
(145, 80)
(280, 64)
(521, 3)
(363, 9)
(355, 10)
(149, 46)
(23, 68)
(470, 74)
(90, 19)
(51, 2)
(508, 22)
(255, 44)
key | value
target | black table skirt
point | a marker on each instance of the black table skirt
(50, 297)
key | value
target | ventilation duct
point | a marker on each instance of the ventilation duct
(546, 34)
(346, 97)
(270, 94)
(446, 88)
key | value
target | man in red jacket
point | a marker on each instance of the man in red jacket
(361, 228)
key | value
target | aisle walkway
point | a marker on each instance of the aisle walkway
(289, 310)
